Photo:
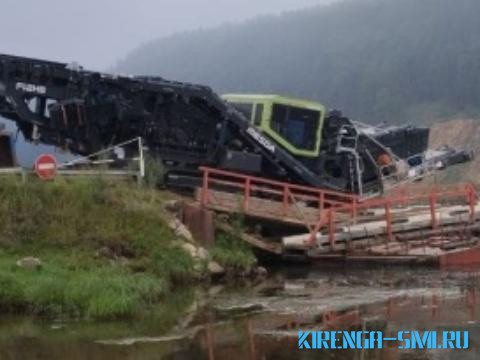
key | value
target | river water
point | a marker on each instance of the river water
(262, 320)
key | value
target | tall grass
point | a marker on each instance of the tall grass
(83, 212)
(103, 292)
(65, 223)
(230, 250)
(154, 171)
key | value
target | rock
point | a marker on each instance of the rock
(173, 224)
(215, 269)
(261, 271)
(215, 290)
(183, 232)
(105, 252)
(198, 267)
(173, 206)
(244, 273)
(202, 253)
(30, 263)
(189, 249)
(123, 261)
(180, 230)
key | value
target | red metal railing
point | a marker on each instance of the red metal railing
(332, 204)
(432, 196)
(286, 194)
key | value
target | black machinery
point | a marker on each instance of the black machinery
(184, 125)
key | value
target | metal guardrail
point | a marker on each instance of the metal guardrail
(64, 169)
(97, 172)
(92, 159)
(25, 171)
(431, 197)
(250, 183)
(287, 198)
(14, 170)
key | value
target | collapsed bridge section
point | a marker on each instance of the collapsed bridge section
(434, 225)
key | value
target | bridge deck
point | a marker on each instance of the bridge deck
(428, 223)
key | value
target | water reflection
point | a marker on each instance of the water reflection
(262, 321)
(250, 339)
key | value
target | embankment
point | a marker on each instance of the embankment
(90, 248)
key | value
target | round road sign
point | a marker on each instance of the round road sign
(46, 166)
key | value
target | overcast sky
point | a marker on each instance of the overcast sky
(96, 33)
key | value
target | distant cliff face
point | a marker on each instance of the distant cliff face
(460, 133)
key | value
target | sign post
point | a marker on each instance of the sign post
(46, 167)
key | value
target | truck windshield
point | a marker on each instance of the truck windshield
(296, 125)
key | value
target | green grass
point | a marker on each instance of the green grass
(230, 250)
(232, 253)
(94, 291)
(84, 212)
(174, 264)
(68, 224)
(65, 223)
(159, 320)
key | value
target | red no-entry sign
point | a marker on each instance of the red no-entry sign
(46, 166)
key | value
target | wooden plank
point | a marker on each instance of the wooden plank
(274, 248)
(386, 259)
(298, 214)
(367, 234)
(374, 232)
(445, 231)
(265, 245)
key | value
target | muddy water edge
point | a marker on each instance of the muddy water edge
(261, 321)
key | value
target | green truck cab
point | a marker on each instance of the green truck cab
(294, 124)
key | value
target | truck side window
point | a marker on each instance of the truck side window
(245, 108)
(279, 118)
(257, 120)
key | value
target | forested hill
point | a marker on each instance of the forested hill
(377, 60)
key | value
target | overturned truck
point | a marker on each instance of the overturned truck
(188, 125)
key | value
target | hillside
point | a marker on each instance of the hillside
(377, 60)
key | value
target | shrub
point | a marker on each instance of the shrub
(154, 171)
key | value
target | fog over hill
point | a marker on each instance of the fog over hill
(393, 61)
(95, 33)
(377, 60)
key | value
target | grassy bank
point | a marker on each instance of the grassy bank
(106, 249)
